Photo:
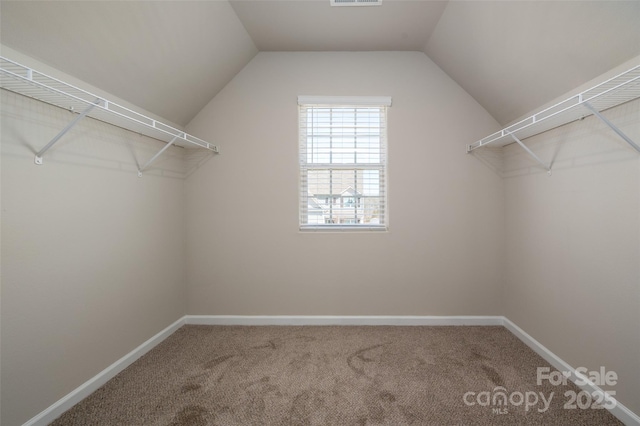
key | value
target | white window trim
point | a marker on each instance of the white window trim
(344, 101)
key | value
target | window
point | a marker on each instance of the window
(343, 162)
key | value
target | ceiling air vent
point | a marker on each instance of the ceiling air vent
(356, 2)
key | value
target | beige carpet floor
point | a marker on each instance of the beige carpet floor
(211, 375)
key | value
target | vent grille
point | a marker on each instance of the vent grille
(356, 2)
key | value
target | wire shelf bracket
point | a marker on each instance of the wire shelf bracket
(615, 91)
(55, 140)
(34, 84)
(155, 157)
(546, 166)
(612, 126)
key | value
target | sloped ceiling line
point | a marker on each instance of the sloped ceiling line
(171, 58)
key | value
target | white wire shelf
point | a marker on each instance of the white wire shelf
(29, 82)
(615, 91)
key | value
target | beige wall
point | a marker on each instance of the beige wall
(94, 259)
(443, 252)
(92, 255)
(573, 246)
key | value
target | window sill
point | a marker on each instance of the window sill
(343, 228)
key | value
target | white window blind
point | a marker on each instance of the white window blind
(343, 163)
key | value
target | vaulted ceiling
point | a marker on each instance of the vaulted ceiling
(172, 57)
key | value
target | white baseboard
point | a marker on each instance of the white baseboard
(626, 416)
(90, 386)
(341, 320)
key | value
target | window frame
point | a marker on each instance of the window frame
(305, 103)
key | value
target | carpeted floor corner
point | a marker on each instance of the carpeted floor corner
(233, 375)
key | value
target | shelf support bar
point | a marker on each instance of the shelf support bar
(152, 159)
(546, 166)
(613, 126)
(68, 127)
